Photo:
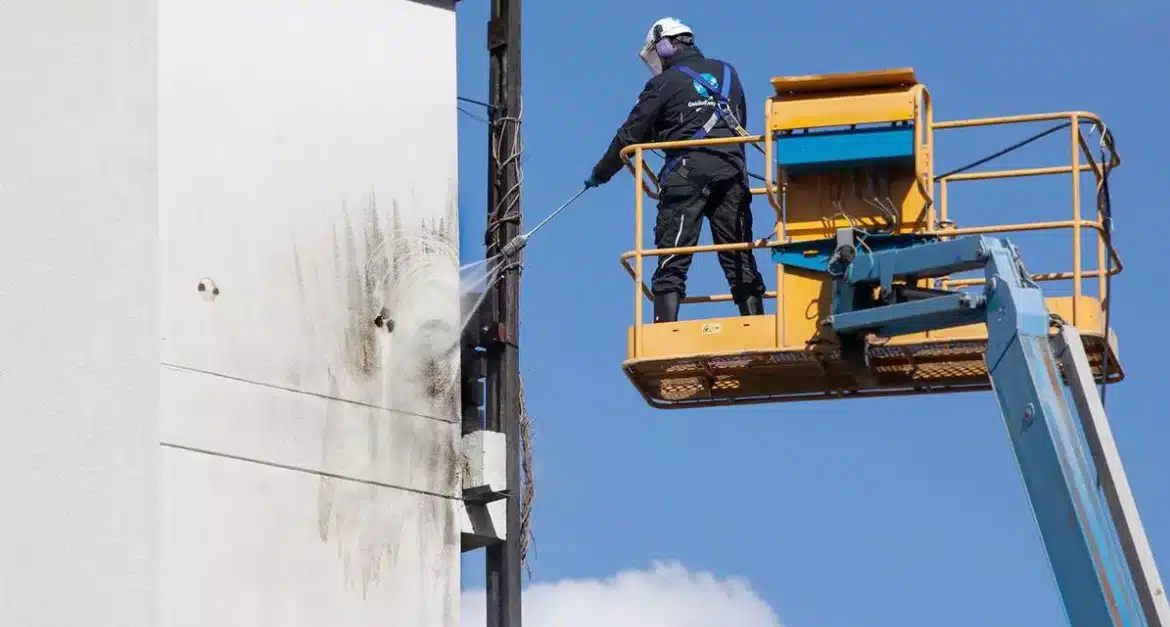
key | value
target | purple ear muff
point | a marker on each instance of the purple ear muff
(664, 47)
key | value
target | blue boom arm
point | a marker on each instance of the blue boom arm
(1096, 548)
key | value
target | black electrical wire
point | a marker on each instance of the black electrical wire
(478, 118)
(1104, 203)
(996, 155)
(475, 102)
(490, 107)
(1106, 207)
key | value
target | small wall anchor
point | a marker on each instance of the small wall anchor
(208, 288)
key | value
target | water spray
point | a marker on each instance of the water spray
(488, 269)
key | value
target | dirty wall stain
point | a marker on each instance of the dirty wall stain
(380, 267)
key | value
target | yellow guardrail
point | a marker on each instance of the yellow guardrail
(1079, 150)
(938, 219)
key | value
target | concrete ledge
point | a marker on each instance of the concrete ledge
(483, 524)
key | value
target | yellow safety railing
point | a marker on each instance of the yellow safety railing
(1079, 151)
(640, 170)
(938, 221)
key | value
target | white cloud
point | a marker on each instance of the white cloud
(666, 595)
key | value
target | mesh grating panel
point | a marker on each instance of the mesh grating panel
(777, 376)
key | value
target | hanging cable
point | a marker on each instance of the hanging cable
(478, 118)
(1105, 206)
(757, 177)
(471, 115)
(528, 490)
(475, 102)
(507, 152)
(996, 155)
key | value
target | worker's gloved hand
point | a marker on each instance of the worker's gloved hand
(592, 182)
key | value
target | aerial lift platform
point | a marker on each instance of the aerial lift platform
(868, 304)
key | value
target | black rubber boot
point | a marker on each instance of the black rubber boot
(751, 306)
(666, 307)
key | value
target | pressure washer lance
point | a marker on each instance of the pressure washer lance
(520, 241)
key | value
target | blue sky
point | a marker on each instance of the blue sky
(880, 512)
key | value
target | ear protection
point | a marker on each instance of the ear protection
(663, 46)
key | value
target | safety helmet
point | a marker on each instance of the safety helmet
(658, 46)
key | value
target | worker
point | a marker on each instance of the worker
(691, 96)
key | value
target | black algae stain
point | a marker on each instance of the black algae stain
(361, 347)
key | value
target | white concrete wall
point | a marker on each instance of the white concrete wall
(78, 314)
(308, 475)
(307, 159)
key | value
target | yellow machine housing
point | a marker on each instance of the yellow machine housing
(885, 116)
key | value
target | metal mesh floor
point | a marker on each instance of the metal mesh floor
(799, 375)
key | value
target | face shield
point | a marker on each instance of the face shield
(659, 44)
(650, 57)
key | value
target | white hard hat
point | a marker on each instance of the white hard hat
(665, 27)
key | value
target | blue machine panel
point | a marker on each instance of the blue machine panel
(802, 153)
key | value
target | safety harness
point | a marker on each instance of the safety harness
(722, 110)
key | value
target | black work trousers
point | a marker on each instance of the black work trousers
(726, 202)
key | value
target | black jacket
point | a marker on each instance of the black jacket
(670, 108)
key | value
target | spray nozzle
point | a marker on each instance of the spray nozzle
(515, 246)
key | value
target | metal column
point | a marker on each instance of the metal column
(502, 412)
(1070, 352)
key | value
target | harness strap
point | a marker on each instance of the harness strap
(722, 109)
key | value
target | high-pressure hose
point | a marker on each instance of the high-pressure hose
(520, 241)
